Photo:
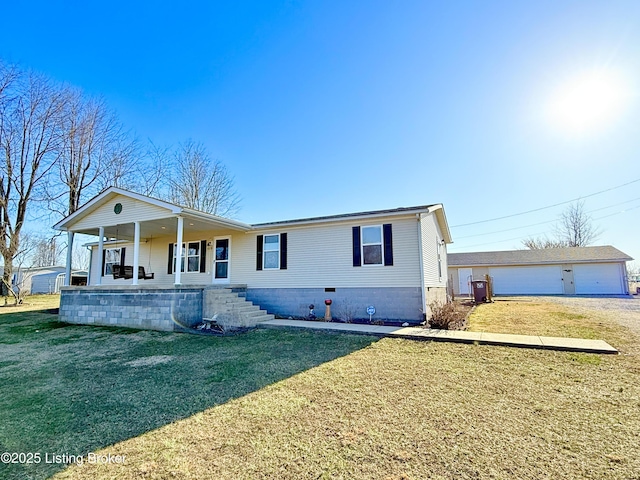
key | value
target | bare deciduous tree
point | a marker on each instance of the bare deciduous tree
(539, 243)
(16, 284)
(97, 152)
(574, 229)
(201, 183)
(80, 257)
(150, 175)
(31, 111)
(46, 252)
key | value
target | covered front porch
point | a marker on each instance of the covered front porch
(154, 265)
(145, 241)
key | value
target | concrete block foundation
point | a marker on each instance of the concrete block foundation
(402, 304)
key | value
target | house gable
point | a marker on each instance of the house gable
(121, 209)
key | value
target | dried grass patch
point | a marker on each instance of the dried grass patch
(538, 317)
(413, 410)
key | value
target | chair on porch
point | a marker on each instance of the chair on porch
(144, 275)
(126, 272)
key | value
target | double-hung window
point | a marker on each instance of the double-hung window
(372, 245)
(112, 256)
(190, 256)
(271, 251)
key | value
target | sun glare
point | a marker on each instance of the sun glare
(589, 102)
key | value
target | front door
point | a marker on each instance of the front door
(221, 258)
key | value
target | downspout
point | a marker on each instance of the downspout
(422, 286)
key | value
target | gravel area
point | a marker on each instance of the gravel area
(624, 310)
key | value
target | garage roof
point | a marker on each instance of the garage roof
(605, 253)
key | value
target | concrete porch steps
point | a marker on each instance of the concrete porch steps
(233, 310)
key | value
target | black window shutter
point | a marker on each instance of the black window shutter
(203, 256)
(259, 252)
(123, 250)
(170, 263)
(104, 254)
(388, 244)
(283, 251)
(357, 260)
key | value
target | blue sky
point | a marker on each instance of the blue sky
(326, 107)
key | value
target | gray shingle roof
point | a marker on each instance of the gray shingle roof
(605, 253)
(391, 211)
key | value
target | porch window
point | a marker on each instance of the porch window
(190, 256)
(112, 256)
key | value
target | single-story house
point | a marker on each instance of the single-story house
(188, 262)
(551, 271)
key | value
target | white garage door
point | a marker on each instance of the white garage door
(602, 279)
(527, 280)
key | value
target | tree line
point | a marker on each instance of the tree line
(60, 147)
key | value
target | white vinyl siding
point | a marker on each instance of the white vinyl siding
(321, 256)
(599, 279)
(540, 280)
(132, 210)
(318, 256)
(430, 236)
(156, 263)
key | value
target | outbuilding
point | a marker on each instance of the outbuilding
(597, 270)
(35, 280)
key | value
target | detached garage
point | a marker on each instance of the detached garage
(552, 271)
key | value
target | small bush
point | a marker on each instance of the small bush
(445, 315)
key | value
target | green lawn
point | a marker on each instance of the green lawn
(74, 389)
(295, 405)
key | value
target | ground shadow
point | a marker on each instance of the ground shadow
(70, 389)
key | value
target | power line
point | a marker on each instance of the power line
(543, 223)
(506, 230)
(548, 206)
(617, 213)
(498, 241)
(537, 234)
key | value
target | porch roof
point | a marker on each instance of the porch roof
(157, 218)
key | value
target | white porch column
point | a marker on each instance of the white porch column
(179, 252)
(67, 276)
(136, 252)
(100, 254)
